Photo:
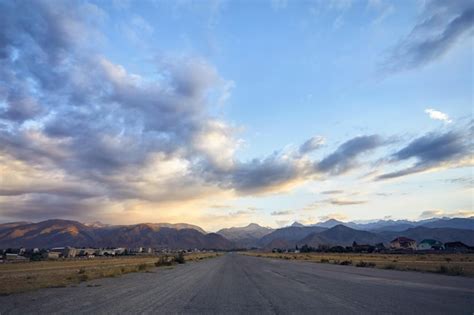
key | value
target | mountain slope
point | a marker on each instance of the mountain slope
(290, 234)
(455, 223)
(50, 233)
(251, 232)
(340, 235)
(56, 233)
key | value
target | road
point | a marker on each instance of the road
(238, 284)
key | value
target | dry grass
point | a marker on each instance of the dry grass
(22, 277)
(451, 264)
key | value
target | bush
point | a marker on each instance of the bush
(345, 262)
(163, 261)
(180, 258)
(142, 267)
(324, 261)
(451, 270)
(390, 267)
(364, 264)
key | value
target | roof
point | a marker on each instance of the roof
(431, 242)
(402, 239)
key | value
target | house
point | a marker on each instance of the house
(456, 247)
(362, 248)
(15, 258)
(430, 244)
(403, 243)
(380, 247)
(51, 255)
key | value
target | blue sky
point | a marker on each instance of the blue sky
(196, 111)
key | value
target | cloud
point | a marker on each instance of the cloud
(433, 150)
(312, 144)
(440, 27)
(464, 181)
(279, 213)
(345, 157)
(332, 192)
(428, 214)
(437, 115)
(345, 202)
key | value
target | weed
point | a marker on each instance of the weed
(364, 264)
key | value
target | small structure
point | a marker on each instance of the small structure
(51, 255)
(430, 244)
(456, 247)
(362, 248)
(403, 243)
(9, 257)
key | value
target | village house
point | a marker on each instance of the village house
(362, 248)
(456, 247)
(9, 257)
(403, 243)
(51, 255)
(430, 244)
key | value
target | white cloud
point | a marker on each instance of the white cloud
(437, 115)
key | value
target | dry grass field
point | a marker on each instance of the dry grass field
(451, 264)
(20, 277)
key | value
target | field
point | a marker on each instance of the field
(20, 277)
(451, 264)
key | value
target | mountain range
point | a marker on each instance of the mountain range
(55, 233)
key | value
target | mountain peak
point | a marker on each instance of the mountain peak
(297, 224)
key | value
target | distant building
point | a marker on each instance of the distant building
(403, 243)
(430, 244)
(51, 255)
(456, 247)
(362, 248)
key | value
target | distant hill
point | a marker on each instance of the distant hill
(340, 235)
(455, 223)
(55, 233)
(50, 233)
(291, 234)
(401, 225)
(246, 236)
(4, 226)
(329, 223)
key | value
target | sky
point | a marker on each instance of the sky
(222, 113)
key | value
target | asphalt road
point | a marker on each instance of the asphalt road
(237, 284)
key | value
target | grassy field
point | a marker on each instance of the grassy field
(20, 277)
(451, 264)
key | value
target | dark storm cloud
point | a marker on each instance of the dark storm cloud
(431, 151)
(345, 157)
(43, 206)
(270, 173)
(441, 26)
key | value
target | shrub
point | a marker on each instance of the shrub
(163, 261)
(180, 258)
(345, 262)
(142, 267)
(390, 267)
(324, 260)
(364, 264)
(451, 270)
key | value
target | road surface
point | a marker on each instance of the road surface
(237, 284)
